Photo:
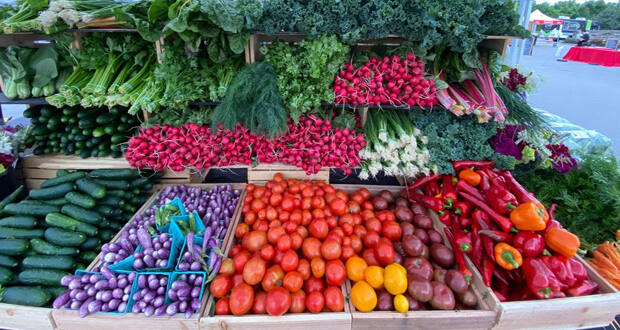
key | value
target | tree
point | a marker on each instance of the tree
(547, 9)
(595, 9)
(609, 19)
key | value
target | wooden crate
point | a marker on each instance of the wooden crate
(571, 312)
(37, 169)
(264, 172)
(25, 317)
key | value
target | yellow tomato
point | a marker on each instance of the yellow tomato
(395, 281)
(355, 268)
(399, 266)
(401, 304)
(363, 297)
(374, 276)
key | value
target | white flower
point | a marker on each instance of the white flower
(47, 18)
(374, 168)
(426, 171)
(416, 132)
(393, 144)
(383, 136)
(70, 16)
(363, 175)
(424, 139)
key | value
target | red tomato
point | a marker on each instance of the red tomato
(370, 258)
(304, 269)
(241, 299)
(284, 243)
(347, 229)
(290, 261)
(250, 187)
(330, 249)
(261, 225)
(220, 286)
(240, 259)
(306, 217)
(267, 252)
(367, 205)
(272, 214)
(317, 265)
(296, 240)
(342, 195)
(298, 302)
(273, 277)
(257, 205)
(278, 301)
(236, 279)
(227, 268)
(315, 302)
(314, 284)
(274, 233)
(290, 227)
(311, 248)
(364, 192)
(241, 230)
(307, 192)
(371, 239)
(318, 228)
(318, 202)
(356, 243)
(295, 217)
(332, 222)
(302, 231)
(254, 240)
(373, 224)
(259, 303)
(384, 252)
(347, 252)
(250, 218)
(359, 230)
(222, 306)
(275, 199)
(357, 199)
(335, 272)
(334, 300)
(338, 206)
(293, 281)
(283, 216)
(306, 203)
(287, 204)
(386, 215)
(254, 270)
(234, 250)
(391, 230)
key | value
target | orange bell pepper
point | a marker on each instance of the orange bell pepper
(529, 216)
(507, 256)
(562, 242)
(470, 177)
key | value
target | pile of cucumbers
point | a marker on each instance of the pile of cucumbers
(60, 227)
(97, 132)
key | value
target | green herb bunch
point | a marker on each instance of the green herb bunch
(306, 71)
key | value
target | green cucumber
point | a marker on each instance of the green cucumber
(86, 123)
(81, 214)
(139, 182)
(111, 201)
(65, 222)
(41, 276)
(57, 202)
(90, 243)
(51, 192)
(63, 237)
(110, 129)
(93, 189)
(42, 247)
(6, 275)
(18, 222)
(114, 174)
(6, 232)
(113, 184)
(62, 172)
(6, 261)
(12, 197)
(25, 295)
(79, 199)
(99, 131)
(68, 178)
(105, 210)
(13, 247)
(50, 262)
(39, 209)
(106, 234)
(117, 193)
(87, 256)
(30, 113)
(105, 118)
(118, 138)
(56, 291)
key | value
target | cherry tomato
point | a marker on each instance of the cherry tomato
(259, 302)
(290, 261)
(220, 286)
(315, 302)
(240, 259)
(241, 299)
(330, 249)
(335, 272)
(334, 300)
(314, 284)
(384, 252)
(317, 265)
(254, 270)
(304, 269)
(278, 301)
(298, 302)
(293, 281)
(222, 306)
(267, 252)
(311, 248)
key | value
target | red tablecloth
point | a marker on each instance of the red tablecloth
(602, 56)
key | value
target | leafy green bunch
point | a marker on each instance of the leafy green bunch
(306, 71)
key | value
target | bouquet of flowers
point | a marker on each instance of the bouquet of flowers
(10, 140)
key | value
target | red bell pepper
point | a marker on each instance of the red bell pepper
(464, 222)
(504, 223)
(463, 186)
(458, 256)
(431, 189)
(461, 164)
(529, 243)
(517, 189)
(433, 203)
(485, 181)
(561, 269)
(462, 208)
(477, 252)
(488, 266)
(497, 236)
(578, 269)
(462, 241)
(447, 191)
(500, 198)
(585, 288)
(444, 217)
(421, 182)
(536, 277)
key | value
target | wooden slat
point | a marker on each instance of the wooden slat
(268, 175)
(33, 183)
(25, 317)
(73, 162)
(68, 320)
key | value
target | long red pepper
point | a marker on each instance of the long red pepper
(431, 189)
(433, 203)
(462, 185)
(460, 164)
(504, 223)
(517, 189)
(423, 181)
(477, 252)
(488, 266)
(481, 220)
(485, 182)
(500, 275)
(496, 235)
(458, 256)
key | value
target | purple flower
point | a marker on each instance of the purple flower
(560, 158)
(504, 141)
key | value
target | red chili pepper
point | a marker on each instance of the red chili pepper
(462, 208)
(536, 277)
(497, 236)
(433, 203)
(500, 198)
(423, 181)
(561, 269)
(460, 164)
(477, 252)
(458, 255)
(583, 289)
(465, 222)
(447, 191)
(485, 182)
(462, 241)
(578, 269)
(445, 218)
(529, 243)
(488, 266)
(504, 223)
(466, 187)
(500, 274)
(431, 189)
(503, 289)
(517, 189)
(481, 219)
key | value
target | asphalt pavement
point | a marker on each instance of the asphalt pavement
(586, 95)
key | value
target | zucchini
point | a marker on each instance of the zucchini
(25, 295)
(57, 202)
(51, 192)
(19, 222)
(85, 153)
(68, 178)
(103, 153)
(93, 189)
(81, 214)
(116, 154)
(6, 261)
(42, 247)
(6, 275)
(87, 256)
(90, 243)
(79, 199)
(116, 226)
(50, 262)
(34, 208)
(63, 237)
(12, 197)
(123, 128)
(113, 184)
(31, 113)
(115, 174)
(39, 130)
(6, 232)
(13, 247)
(65, 222)
(41, 276)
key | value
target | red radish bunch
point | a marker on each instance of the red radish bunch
(310, 145)
(392, 80)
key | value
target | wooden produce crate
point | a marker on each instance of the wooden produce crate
(571, 312)
(37, 169)
(482, 318)
(25, 317)
(69, 319)
(264, 172)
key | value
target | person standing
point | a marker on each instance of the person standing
(583, 40)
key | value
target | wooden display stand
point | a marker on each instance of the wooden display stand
(25, 317)
(264, 172)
